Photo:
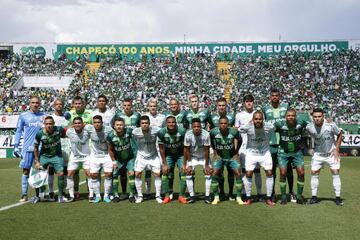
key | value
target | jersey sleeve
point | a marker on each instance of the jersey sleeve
(37, 139)
(160, 136)
(187, 140)
(335, 129)
(19, 128)
(207, 141)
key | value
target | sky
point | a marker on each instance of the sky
(74, 21)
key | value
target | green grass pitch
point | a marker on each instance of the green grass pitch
(150, 220)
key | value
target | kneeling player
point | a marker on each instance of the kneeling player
(226, 142)
(147, 156)
(48, 139)
(99, 158)
(196, 152)
(122, 155)
(258, 153)
(326, 151)
(171, 145)
(79, 156)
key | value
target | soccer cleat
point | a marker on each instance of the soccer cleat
(207, 200)
(300, 200)
(269, 202)
(231, 197)
(222, 196)
(107, 199)
(77, 195)
(132, 199)
(139, 199)
(35, 200)
(116, 199)
(51, 197)
(23, 198)
(70, 199)
(292, 197)
(313, 200)
(338, 201)
(92, 199)
(166, 200)
(182, 200)
(216, 200)
(191, 200)
(239, 201)
(259, 198)
(283, 200)
(95, 199)
(159, 200)
(247, 201)
(61, 199)
(123, 196)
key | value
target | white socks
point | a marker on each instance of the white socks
(248, 186)
(157, 186)
(337, 184)
(314, 184)
(138, 185)
(269, 186)
(207, 185)
(190, 185)
(70, 186)
(107, 186)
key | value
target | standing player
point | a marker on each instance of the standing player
(326, 151)
(196, 152)
(147, 156)
(291, 134)
(48, 139)
(99, 158)
(132, 120)
(106, 113)
(158, 120)
(196, 112)
(273, 113)
(174, 108)
(226, 142)
(242, 118)
(121, 151)
(257, 153)
(221, 106)
(79, 156)
(171, 145)
(79, 110)
(28, 125)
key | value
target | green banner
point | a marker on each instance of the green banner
(72, 51)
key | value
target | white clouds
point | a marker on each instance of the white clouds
(143, 21)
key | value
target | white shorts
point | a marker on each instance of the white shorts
(317, 162)
(196, 162)
(153, 164)
(242, 154)
(252, 160)
(100, 161)
(74, 163)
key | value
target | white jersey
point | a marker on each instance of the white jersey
(257, 139)
(324, 136)
(99, 145)
(241, 119)
(197, 143)
(157, 120)
(107, 116)
(60, 121)
(146, 143)
(79, 142)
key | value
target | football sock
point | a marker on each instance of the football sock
(337, 184)
(131, 183)
(24, 184)
(243, 178)
(157, 186)
(290, 179)
(182, 184)
(314, 184)
(171, 179)
(165, 184)
(221, 181)
(107, 186)
(300, 187)
(248, 186)
(230, 180)
(269, 186)
(51, 182)
(123, 181)
(283, 189)
(207, 185)
(115, 186)
(258, 182)
(70, 185)
(138, 185)
(90, 188)
(148, 181)
(37, 192)
(215, 185)
(76, 181)
(238, 186)
(61, 185)
(190, 185)
(95, 186)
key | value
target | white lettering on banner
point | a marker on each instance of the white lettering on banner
(8, 121)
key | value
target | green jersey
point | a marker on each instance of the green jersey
(180, 118)
(50, 144)
(224, 144)
(172, 142)
(214, 119)
(123, 148)
(203, 115)
(291, 138)
(273, 115)
(86, 116)
(132, 121)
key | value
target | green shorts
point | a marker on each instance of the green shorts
(128, 165)
(56, 162)
(172, 160)
(233, 164)
(297, 159)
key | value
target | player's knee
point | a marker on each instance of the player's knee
(107, 174)
(269, 173)
(131, 173)
(249, 174)
(137, 174)
(317, 172)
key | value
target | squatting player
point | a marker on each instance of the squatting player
(226, 142)
(326, 151)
